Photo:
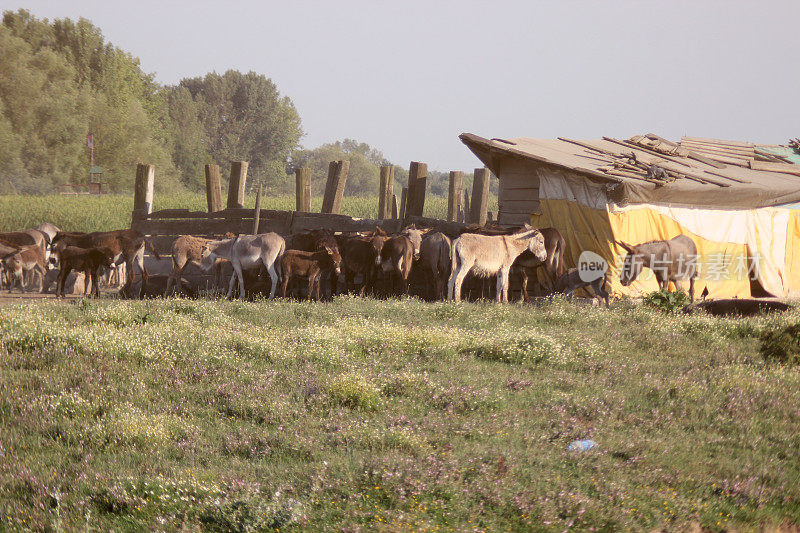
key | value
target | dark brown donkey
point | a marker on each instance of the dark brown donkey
(86, 260)
(397, 256)
(362, 255)
(311, 264)
(554, 266)
(127, 245)
(317, 241)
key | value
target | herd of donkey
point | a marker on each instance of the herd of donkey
(362, 259)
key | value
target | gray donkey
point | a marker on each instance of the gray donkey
(244, 252)
(673, 260)
(489, 255)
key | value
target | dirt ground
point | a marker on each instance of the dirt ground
(17, 297)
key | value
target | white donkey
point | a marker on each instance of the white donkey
(490, 255)
(245, 252)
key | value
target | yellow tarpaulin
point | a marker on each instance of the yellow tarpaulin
(793, 253)
(733, 245)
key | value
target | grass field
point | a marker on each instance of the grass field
(364, 414)
(107, 212)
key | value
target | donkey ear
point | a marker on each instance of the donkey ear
(627, 247)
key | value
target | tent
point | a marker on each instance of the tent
(731, 198)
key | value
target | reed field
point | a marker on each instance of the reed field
(106, 212)
(361, 414)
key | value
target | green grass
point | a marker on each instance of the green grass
(398, 414)
(107, 212)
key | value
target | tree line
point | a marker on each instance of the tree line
(61, 80)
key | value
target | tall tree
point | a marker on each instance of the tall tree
(245, 118)
(60, 81)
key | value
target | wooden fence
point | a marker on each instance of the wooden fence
(166, 225)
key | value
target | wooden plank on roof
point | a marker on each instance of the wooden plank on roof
(716, 141)
(703, 159)
(724, 159)
(721, 175)
(720, 150)
(769, 166)
(647, 150)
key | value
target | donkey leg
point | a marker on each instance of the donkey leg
(502, 286)
(273, 277)
(232, 282)
(177, 272)
(240, 277)
(459, 280)
(286, 277)
(523, 274)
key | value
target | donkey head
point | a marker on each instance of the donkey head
(377, 243)
(335, 257)
(107, 257)
(209, 255)
(415, 236)
(632, 266)
(536, 246)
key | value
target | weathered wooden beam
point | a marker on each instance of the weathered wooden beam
(237, 183)
(302, 180)
(394, 206)
(386, 192)
(455, 196)
(334, 188)
(143, 189)
(417, 184)
(403, 201)
(480, 196)
(213, 188)
(466, 208)
(257, 211)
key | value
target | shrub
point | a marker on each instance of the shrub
(782, 345)
(669, 302)
(532, 349)
(355, 392)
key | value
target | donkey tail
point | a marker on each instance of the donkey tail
(149, 245)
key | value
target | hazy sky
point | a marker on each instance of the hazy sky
(408, 77)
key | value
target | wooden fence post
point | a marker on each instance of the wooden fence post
(237, 183)
(454, 195)
(417, 183)
(480, 196)
(302, 180)
(213, 188)
(334, 188)
(143, 188)
(403, 201)
(466, 208)
(257, 211)
(386, 192)
(394, 207)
